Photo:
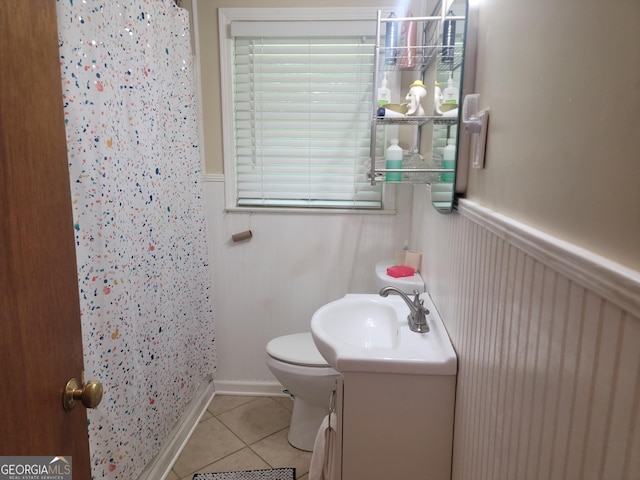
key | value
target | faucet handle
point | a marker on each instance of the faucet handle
(416, 297)
(419, 303)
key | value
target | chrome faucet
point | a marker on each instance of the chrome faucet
(417, 318)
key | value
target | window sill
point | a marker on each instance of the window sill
(388, 199)
(304, 211)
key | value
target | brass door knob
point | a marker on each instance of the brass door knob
(90, 394)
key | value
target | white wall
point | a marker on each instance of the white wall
(561, 79)
(271, 284)
(547, 341)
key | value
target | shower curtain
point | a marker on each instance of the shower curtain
(129, 105)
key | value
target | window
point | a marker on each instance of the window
(300, 107)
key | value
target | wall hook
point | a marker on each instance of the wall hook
(476, 122)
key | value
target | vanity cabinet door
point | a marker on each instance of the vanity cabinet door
(397, 426)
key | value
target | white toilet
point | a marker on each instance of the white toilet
(297, 364)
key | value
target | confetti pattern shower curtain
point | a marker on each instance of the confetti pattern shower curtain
(140, 237)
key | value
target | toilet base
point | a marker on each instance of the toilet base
(305, 423)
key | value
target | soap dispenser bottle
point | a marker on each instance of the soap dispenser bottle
(384, 94)
(450, 93)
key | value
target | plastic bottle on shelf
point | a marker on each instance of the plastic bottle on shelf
(391, 41)
(389, 113)
(450, 93)
(449, 160)
(384, 94)
(407, 44)
(448, 39)
(393, 159)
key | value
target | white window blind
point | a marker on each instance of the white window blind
(302, 113)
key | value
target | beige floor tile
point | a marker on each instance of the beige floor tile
(285, 402)
(256, 420)
(210, 442)
(245, 459)
(277, 452)
(223, 403)
(262, 421)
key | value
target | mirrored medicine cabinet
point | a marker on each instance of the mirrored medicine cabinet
(436, 54)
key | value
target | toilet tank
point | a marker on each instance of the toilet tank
(404, 284)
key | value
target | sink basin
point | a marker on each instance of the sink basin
(362, 323)
(370, 333)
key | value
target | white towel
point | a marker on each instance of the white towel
(322, 459)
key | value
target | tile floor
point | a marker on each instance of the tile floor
(241, 433)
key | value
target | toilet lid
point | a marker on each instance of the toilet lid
(297, 348)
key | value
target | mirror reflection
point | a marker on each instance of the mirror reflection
(447, 75)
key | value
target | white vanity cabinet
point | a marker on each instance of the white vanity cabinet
(392, 426)
(395, 395)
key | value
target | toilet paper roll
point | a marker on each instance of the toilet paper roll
(239, 237)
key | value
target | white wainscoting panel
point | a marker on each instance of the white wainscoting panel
(548, 346)
(270, 284)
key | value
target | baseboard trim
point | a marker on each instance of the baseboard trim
(612, 281)
(229, 387)
(161, 465)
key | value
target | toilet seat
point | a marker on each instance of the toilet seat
(297, 349)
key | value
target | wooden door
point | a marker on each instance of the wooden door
(40, 336)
